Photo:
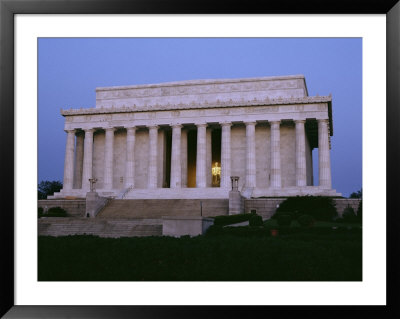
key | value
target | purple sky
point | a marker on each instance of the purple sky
(70, 69)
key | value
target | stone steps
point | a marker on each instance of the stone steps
(157, 208)
(99, 227)
(181, 193)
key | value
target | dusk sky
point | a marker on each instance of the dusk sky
(69, 70)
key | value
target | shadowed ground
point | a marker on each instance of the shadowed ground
(230, 254)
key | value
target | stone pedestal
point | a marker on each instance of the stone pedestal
(236, 203)
(94, 203)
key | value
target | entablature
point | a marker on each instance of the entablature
(199, 105)
(259, 114)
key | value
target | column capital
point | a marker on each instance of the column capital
(201, 124)
(70, 131)
(275, 122)
(154, 127)
(223, 124)
(130, 128)
(299, 121)
(89, 130)
(176, 125)
(322, 120)
(110, 129)
(250, 123)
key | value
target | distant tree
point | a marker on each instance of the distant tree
(357, 194)
(46, 188)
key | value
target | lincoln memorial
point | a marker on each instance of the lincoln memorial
(185, 140)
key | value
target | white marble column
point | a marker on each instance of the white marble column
(201, 178)
(176, 169)
(108, 159)
(250, 154)
(130, 157)
(69, 160)
(87, 159)
(184, 159)
(301, 172)
(324, 156)
(78, 161)
(153, 143)
(226, 155)
(276, 180)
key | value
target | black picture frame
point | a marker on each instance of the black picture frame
(8, 10)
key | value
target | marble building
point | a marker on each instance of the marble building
(186, 139)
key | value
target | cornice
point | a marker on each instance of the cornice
(196, 105)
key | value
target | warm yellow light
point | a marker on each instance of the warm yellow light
(216, 170)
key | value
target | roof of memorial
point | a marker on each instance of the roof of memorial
(202, 82)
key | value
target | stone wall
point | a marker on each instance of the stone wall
(114, 228)
(341, 204)
(157, 208)
(73, 207)
(266, 207)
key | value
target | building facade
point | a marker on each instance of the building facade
(186, 139)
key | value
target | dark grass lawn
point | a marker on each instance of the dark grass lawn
(236, 253)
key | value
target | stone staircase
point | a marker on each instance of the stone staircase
(53, 226)
(156, 208)
(174, 193)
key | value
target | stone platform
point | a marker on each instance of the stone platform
(158, 208)
(201, 193)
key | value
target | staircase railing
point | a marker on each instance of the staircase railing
(124, 192)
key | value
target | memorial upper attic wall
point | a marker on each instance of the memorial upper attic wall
(202, 91)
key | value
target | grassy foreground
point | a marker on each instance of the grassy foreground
(227, 256)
